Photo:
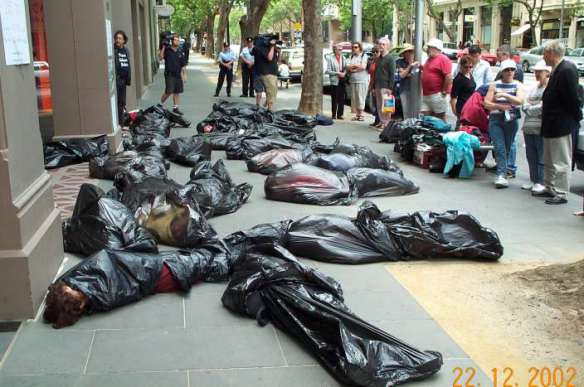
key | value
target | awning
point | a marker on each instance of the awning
(521, 30)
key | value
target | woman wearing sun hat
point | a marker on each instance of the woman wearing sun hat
(405, 67)
(503, 100)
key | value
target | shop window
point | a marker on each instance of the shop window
(41, 57)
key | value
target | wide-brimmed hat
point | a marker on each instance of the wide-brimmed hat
(406, 47)
(436, 43)
(541, 66)
(508, 64)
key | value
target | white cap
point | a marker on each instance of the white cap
(542, 66)
(508, 64)
(436, 43)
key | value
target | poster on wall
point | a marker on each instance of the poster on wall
(114, 107)
(110, 52)
(14, 32)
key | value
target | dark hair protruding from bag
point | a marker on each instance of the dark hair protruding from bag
(120, 32)
(474, 49)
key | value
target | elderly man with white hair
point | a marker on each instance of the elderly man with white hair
(384, 79)
(561, 114)
(436, 80)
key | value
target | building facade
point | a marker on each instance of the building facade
(57, 80)
(495, 24)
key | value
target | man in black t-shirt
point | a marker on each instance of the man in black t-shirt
(174, 68)
(266, 66)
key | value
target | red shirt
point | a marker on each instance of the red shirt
(166, 282)
(434, 72)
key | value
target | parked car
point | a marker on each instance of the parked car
(485, 55)
(576, 56)
(452, 51)
(294, 57)
(530, 58)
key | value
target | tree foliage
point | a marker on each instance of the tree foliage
(377, 15)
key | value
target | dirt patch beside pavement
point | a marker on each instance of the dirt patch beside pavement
(503, 314)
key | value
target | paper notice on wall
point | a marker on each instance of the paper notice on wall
(114, 103)
(109, 37)
(14, 32)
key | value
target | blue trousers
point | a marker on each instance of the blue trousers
(502, 135)
(512, 158)
(534, 152)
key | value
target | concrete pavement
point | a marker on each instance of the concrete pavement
(170, 340)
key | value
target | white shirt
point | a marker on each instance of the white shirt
(481, 73)
(361, 76)
(246, 54)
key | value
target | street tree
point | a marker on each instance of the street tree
(533, 9)
(224, 7)
(311, 97)
(376, 16)
(281, 14)
(455, 11)
(249, 23)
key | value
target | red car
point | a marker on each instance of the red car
(491, 58)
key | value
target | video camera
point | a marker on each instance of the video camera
(267, 40)
(166, 39)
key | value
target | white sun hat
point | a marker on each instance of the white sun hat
(436, 43)
(508, 64)
(542, 66)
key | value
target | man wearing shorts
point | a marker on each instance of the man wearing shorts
(436, 81)
(266, 65)
(174, 64)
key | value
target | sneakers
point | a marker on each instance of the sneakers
(527, 187)
(557, 200)
(501, 182)
(175, 110)
(538, 188)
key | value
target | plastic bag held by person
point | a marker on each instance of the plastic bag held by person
(100, 222)
(306, 184)
(271, 285)
(216, 194)
(276, 159)
(74, 151)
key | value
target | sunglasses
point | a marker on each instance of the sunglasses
(509, 69)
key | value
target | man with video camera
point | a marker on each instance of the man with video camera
(174, 70)
(266, 64)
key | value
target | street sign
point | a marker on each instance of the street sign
(297, 26)
(469, 18)
(164, 10)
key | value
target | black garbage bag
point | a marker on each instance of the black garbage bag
(218, 140)
(100, 222)
(165, 208)
(273, 286)
(306, 184)
(392, 131)
(74, 151)
(114, 278)
(248, 146)
(214, 191)
(150, 164)
(189, 151)
(344, 157)
(243, 110)
(218, 122)
(276, 159)
(290, 116)
(374, 236)
(379, 182)
(148, 143)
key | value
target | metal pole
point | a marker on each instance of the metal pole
(357, 26)
(562, 20)
(416, 90)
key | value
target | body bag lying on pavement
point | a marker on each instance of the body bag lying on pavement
(375, 236)
(269, 284)
(100, 222)
(74, 151)
(112, 278)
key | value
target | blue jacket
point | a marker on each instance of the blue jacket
(460, 148)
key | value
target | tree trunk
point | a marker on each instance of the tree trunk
(210, 35)
(256, 9)
(224, 10)
(311, 97)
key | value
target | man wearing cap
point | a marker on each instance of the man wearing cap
(436, 81)
(384, 79)
(246, 61)
(561, 114)
(406, 67)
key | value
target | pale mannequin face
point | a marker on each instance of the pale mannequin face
(74, 294)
